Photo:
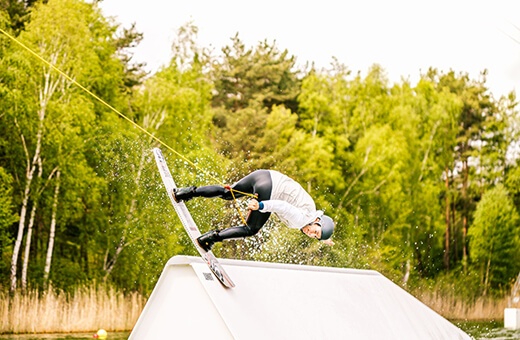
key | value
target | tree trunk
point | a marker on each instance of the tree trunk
(52, 231)
(447, 234)
(19, 236)
(45, 94)
(406, 276)
(29, 174)
(28, 240)
(454, 244)
(486, 276)
(465, 213)
(488, 269)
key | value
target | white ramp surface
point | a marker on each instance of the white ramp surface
(281, 301)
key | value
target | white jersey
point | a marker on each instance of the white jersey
(290, 202)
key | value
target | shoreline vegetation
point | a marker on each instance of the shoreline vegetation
(88, 309)
(454, 308)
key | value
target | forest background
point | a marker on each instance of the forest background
(422, 179)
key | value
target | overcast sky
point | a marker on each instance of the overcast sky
(405, 37)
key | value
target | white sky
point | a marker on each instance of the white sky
(405, 37)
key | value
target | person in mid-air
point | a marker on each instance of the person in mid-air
(275, 193)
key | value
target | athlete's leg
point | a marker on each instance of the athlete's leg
(255, 222)
(186, 194)
(259, 183)
(210, 191)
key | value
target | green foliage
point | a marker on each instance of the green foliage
(399, 167)
(512, 184)
(263, 74)
(16, 12)
(495, 239)
(7, 218)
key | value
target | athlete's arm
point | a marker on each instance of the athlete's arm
(295, 216)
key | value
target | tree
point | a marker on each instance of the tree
(17, 12)
(48, 86)
(321, 102)
(262, 74)
(52, 118)
(477, 107)
(495, 239)
(248, 83)
(7, 216)
(432, 141)
(512, 184)
(174, 106)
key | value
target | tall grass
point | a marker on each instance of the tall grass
(89, 309)
(454, 307)
(85, 310)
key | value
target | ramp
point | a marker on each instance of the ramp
(281, 301)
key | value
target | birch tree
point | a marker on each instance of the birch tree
(59, 33)
(52, 229)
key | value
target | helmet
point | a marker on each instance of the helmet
(327, 227)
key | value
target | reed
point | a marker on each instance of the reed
(454, 307)
(91, 308)
(84, 310)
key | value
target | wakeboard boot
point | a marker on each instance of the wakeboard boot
(183, 194)
(207, 240)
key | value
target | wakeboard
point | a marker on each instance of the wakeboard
(188, 222)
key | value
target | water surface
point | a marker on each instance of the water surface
(477, 330)
(68, 336)
(487, 330)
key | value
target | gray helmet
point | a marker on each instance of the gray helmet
(327, 227)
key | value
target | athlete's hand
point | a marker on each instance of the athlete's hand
(328, 242)
(253, 205)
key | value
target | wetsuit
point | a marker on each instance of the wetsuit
(258, 182)
(276, 192)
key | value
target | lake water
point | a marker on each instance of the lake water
(477, 330)
(70, 336)
(487, 330)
